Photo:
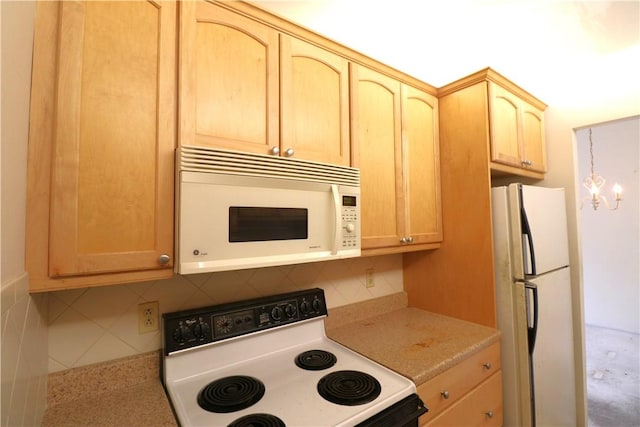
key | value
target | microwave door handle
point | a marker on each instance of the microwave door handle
(337, 218)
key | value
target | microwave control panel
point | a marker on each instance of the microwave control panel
(350, 222)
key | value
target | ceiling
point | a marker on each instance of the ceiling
(555, 49)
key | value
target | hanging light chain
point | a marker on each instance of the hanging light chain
(591, 152)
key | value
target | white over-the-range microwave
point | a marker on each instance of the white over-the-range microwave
(237, 210)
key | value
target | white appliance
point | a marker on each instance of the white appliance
(240, 210)
(533, 299)
(268, 362)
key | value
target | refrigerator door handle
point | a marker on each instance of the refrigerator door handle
(526, 233)
(532, 330)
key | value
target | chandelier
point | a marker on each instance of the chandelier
(594, 184)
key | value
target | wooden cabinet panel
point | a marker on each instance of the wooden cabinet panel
(315, 102)
(466, 212)
(533, 140)
(229, 89)
(112, 192)
(481, 407)
(450, 386)
(101, 146)
(505, 142)
(421, 161)
(247, 87)
(375, 101)
(395, 132)
(517, 131)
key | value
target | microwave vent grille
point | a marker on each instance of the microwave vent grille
(212, 160)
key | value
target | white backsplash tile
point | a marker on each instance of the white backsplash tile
(93, 325)
(23, 354)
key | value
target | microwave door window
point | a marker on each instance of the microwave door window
(261, 224)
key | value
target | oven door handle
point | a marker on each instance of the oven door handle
(337, 223)
(403, 413)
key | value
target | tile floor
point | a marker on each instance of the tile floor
(613, 377)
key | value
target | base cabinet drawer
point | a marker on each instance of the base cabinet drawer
(443, 390)
(480, 407)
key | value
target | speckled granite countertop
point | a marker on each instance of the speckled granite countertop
(123, 392)
(128, 392)
(415, 343)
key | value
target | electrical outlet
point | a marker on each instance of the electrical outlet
(147, 317)
(369, 279)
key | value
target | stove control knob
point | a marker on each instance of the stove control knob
(305, 307)
(290, 310)
(182, 334)
(201, 330)
(276, 313)
(317, 304)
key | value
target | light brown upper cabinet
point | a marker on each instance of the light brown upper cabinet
(516, 139)
(315, 103)
(245, 86)
(395, 136)
(101, 149)
(517, 131)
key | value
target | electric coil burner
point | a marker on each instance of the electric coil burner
(267, 362)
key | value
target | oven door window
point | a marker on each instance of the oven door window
(261, 224)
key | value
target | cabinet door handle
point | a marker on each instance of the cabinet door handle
(289, 152)
(487, 365)
(444, 394)
(403, 240)
(164, 259)
(527, 163)
(410, 239)
(489, 414)
(275, 151)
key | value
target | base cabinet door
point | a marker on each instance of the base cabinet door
(101, 182)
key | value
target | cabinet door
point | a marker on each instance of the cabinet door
(533, 141)
(504, 111)
(112, 171)
(375, 102)
(421, 165)
(228, 80)
(315, 102)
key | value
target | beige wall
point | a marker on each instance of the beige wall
(23, 323)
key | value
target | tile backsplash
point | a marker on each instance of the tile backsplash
(24, 349)
(98, 324)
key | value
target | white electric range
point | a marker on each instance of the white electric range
(268, 362)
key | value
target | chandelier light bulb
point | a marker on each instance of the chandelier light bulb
(617, 190)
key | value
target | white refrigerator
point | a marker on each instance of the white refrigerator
(533, 300)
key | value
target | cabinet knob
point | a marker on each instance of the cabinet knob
(527, 163)
(444, 394)
(489, 414)
(164, 259)
(410, 239)
(403, 240)
(289, 152)
(487, 365)
(275, 150)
